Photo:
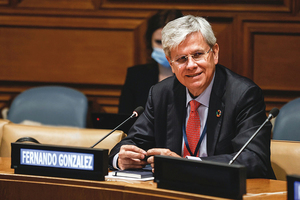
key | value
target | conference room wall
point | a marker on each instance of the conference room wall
(88, 44)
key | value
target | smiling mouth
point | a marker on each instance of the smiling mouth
(194, 75)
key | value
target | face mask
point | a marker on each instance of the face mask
(159, 56)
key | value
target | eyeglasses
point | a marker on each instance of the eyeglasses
(196, 56)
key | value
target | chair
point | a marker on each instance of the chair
(56, 135)
(287, 123)
(285, 158)
(50, 105)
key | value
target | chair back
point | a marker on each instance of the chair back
(287, 123)
(285, 158)
(50, 105)
(53, 135)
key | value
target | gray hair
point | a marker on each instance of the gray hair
(176, 31)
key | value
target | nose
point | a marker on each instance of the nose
(190, 62)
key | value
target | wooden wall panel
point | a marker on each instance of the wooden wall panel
(65, 55)
(88, 53)
(271, 58)
(224, 34)
(62, 4)
(67, 50)
(205, 5)
(4, 2)
(276, 60)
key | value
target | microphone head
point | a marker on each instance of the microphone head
(139, 110)
(274, 112)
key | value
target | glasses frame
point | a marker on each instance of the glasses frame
(192, 55)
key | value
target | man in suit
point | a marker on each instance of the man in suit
(231, 108)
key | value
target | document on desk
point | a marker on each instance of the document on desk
(134, 173)
(144, 174)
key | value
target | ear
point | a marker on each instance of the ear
(171, 64)
(216, 53)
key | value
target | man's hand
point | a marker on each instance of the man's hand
(159, 151)
(131, 157)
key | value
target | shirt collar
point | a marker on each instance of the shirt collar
(204, 97)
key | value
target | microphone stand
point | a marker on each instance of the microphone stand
(246, 144)
(132, 115)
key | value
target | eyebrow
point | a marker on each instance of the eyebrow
(193, 52)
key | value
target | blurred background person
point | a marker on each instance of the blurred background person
(140, 78)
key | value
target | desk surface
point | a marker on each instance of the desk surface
(16, 186)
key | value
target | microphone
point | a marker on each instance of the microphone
(273, 113)
(138, 111)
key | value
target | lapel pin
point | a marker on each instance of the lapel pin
(218, 113)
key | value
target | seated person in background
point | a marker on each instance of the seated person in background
(140, 78)
(203, 103)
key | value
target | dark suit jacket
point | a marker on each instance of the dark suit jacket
(139, 80)
(242, 109)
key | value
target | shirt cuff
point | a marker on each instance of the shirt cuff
(115, 161)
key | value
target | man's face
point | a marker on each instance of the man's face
(197, 74)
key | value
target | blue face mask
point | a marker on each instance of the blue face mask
(159, 56)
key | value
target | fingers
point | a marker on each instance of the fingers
(131, 156)
(131, 151)
(159, 151)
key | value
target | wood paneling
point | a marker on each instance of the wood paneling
(4, 2)
(90, 53)
(78, 50)
(271, 57)
(62, 4)
(205, 5)
(276, 60)
(225, 38)
(65, 55)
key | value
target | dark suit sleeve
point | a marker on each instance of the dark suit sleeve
(141, 134)
(244, 116)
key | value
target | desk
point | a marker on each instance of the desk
(16, 186)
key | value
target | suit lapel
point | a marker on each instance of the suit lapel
(177, 109)
(176, 113)
(215, 115)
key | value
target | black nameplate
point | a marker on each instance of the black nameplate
(59, 161)
(201, 177)
(293, 186)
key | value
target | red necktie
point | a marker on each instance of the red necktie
(192, 129)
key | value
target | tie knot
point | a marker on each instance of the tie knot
(194, 105)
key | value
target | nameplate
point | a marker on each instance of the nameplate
(59, 161)
(201, 177)
(293, 186)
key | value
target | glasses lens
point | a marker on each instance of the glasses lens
(181, 60)
(198, 56)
